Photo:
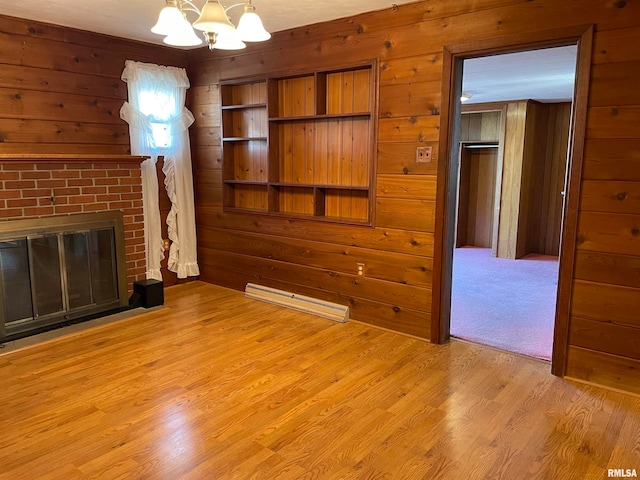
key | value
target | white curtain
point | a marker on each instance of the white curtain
(158, 125)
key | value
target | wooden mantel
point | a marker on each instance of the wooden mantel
(71, 157)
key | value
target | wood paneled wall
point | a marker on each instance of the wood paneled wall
(512, 227)
(60, 89)
(481, 126)
(61, 92)
(546, 177)
(320, 260)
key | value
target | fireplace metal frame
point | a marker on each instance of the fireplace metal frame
(112, 219)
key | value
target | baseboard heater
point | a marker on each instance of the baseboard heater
(332, 311)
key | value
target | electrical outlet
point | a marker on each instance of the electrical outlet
(361, 269)
(423, 155)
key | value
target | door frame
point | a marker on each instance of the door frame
(452, 58)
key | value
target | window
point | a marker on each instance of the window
(159, 107)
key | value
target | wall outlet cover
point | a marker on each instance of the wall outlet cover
(423, 155)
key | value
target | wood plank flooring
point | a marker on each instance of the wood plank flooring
(215, 386)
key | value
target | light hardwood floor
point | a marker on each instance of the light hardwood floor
(215, 386)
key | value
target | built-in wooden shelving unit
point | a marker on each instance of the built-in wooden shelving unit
(301, 145)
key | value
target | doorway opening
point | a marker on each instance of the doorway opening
(512, 161)
(451, 146)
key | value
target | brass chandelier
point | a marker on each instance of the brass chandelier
(213, 21)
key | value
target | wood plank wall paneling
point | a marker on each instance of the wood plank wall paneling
(408, 40)
(60, 89)
(383, 239)
(547, 177)
(61, 92)
(393, 267)
(480, 126)
(512, 170)
(612, 159)
(604, 334)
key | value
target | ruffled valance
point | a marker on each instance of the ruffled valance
(150, 73)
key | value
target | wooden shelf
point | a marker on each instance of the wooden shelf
(244, 139)
(246, 182)
(295, 145)
(324, 186)
(244, 107)
(472, 145)
(309, 118)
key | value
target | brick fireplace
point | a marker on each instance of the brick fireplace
(40, 186)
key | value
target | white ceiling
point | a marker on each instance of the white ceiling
(134, 18)
(544, 75)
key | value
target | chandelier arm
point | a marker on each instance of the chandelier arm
(190, 6)
(236, 5)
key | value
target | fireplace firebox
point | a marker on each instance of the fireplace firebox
(56, 270)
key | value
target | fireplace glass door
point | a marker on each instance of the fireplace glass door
(90, 268)
(46, 277)
(16, 290)
(52, 277)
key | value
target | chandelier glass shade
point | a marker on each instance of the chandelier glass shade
(169, 16)
(182, 35)
(218, 31)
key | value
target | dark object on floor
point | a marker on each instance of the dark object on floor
(151, 293)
